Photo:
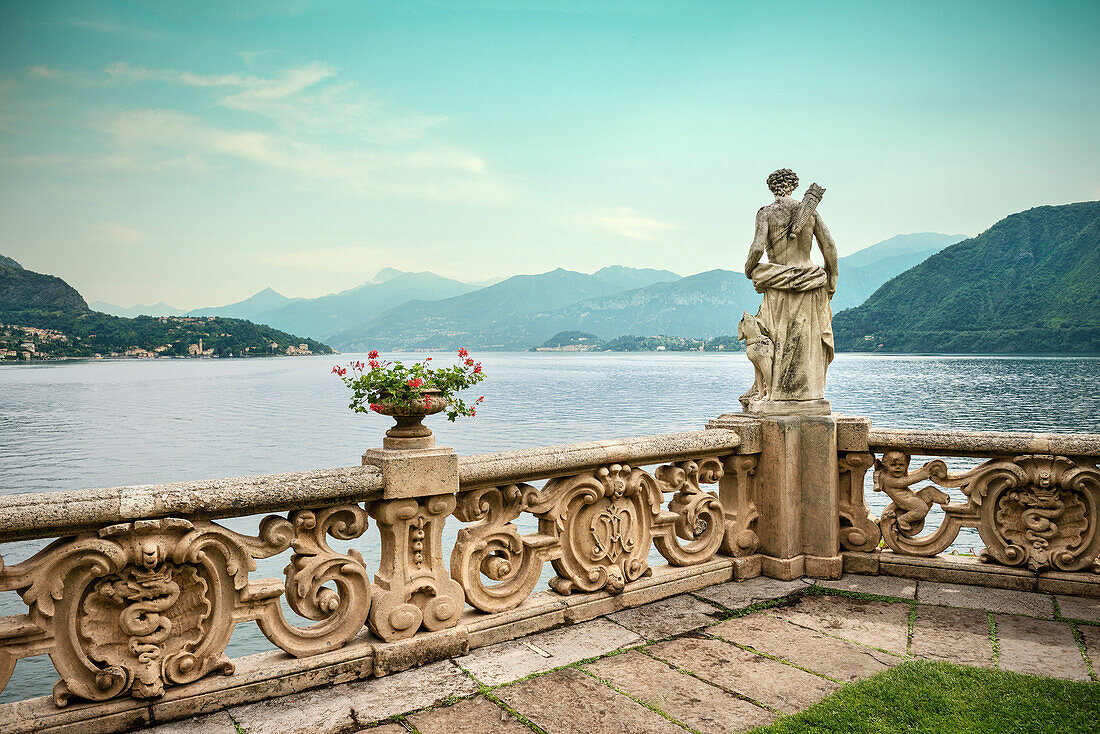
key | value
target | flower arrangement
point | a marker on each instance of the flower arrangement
(389, 387)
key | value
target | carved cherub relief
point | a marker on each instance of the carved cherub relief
(892, 476)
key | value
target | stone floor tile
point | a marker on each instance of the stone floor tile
(877, 585)
(218, 723)
(1079, 607)
(956, 635)
(670, 616)
(880, 624)
(839, 659)
(320, 711)
(472, 715)
(567, 701)
(1002, 601)
(1092, 645)
(380, 698)
(740, 594)
(508, 661)
(1039, 647)
(699, 705)
(770, 682)
(386, 729)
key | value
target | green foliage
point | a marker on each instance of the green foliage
(378, 382)
(942, 698)
(569, 338)
(1030, 283)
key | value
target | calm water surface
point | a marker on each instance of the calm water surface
(101, 424)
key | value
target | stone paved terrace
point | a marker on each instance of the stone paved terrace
(726, 658)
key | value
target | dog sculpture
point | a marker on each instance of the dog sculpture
(760, 351)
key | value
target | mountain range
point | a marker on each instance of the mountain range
(423, 310)
(1029, 283)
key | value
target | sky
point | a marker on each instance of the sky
(197, 152)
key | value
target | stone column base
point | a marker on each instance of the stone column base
(824, 567)
(784, 569)
(746, 567)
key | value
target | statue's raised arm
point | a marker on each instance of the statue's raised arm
(795, 316)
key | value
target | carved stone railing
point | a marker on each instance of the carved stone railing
(1034, 500)
(140, 591)
(598, 514)
(143, 589)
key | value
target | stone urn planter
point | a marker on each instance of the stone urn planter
(409, 431)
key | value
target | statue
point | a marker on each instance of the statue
(893, 477)
(795, 315)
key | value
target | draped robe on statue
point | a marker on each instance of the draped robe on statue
(799, 319)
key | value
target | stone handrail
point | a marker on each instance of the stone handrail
(51, 514)
(142, 588)
(1035, 500)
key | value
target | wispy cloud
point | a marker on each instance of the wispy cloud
(627, 222)
(250, 56)
(323, 131)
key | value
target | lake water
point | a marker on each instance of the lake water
(98, 424)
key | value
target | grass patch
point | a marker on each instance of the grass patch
(921, 696)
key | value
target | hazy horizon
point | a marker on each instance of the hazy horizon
(195, 154)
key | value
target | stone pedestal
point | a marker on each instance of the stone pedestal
(794, 489)
(413, 587)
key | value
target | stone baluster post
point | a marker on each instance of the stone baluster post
(413, 587)
(794, 493)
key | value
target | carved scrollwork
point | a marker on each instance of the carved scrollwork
(1034, 510)
(603, 523)
(736, 491)
(331, 588)
(693, 514)
(135, 606)
(492, 548)
(858, 529)
(1039, 511)
(412, 588)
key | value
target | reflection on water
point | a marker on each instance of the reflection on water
(101, 424)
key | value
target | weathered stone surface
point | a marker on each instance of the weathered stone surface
(880, 624)
(950, 569)
(393, 657)
(667, 617)
(770, 682)
(357, 704)
(415, 472)
(387, 729)
(982, 443)
(1039, 647)
(697, 704)
(218, 723)
(956, 635)
(1092, 645)
(844, 661)
(508, 661)
(1003, 601)
(569, 702)
(380, 698)
(472, 715)
(528, 465)
(1079, 607)
(877, 585)
(741, 594)
(320, 710)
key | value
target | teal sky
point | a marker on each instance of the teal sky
(197, 152)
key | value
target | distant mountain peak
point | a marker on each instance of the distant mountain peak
(386, 274)
(9, 262)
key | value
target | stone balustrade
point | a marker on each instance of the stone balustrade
(138, 594)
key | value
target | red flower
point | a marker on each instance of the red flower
(463, 353)
(469, 362)
(374, 365)
(376, 407)
(373, 354)
(415, 382)
(473, 413)
(339, 371)
(477, 369)
(480, 399)
(428, 402)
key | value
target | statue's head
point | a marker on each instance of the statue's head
(783, 182)
(896, 463)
